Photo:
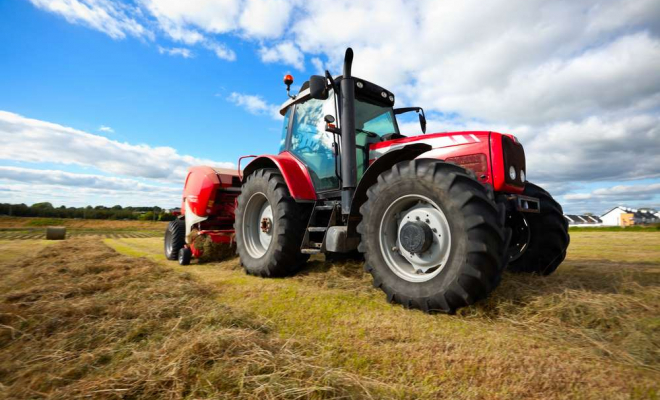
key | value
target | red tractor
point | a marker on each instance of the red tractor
(437, 217)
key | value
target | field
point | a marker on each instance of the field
(16, 228)
(108, 317)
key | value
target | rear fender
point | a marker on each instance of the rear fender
(294, 172)
(370, 177)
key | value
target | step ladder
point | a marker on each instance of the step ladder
(324, 215)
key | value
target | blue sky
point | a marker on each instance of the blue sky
(108, 102)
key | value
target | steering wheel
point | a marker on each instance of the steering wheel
(368, 133)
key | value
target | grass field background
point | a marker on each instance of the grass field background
(16, 228)
(591, 330)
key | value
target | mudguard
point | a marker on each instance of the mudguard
(294, 172)
(377, 167)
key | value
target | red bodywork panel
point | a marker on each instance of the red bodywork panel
(467, 148)
(294, 172)
(211, 192)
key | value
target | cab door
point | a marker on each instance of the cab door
(312, 145)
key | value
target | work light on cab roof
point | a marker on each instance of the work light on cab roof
(288, 81)
(436, 217)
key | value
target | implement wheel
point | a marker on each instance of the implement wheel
(270, 226)
(175, 238)
(432, 237)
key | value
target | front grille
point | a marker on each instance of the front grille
(514, 155)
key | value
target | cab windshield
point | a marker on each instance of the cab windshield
(373, 119)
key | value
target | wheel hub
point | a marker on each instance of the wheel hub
(266, 225)
(416, 237)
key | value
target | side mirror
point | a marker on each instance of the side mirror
(422, 121)
(420, 112)
(317, 88)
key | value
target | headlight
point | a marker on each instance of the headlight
(522, 175)
(512, 173)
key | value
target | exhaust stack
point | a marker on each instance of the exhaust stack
(348, 161)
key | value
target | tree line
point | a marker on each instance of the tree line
(99, 212)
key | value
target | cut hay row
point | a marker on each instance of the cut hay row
(106, 326)
(9, 235)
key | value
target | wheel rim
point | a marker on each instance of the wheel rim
(258, 225)
(410, 266)
(520, 236)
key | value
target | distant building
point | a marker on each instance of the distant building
(583, 220)
(625, 216)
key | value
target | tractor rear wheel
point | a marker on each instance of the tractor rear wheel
(175, 238)
(269, 226)
(548, 236)
(432, 236)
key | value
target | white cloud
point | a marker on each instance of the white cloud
(211, 16)
(319, 66)
(619, 193)
(255, 105)
(53, 143)
(76, 196)
(221, 51)
(596, 149)
(577, 81)
(74, 180)
(645, 195)
(112, 18)
(106, 129)
(265, 18)
(176, 51)
(618, 75)
(285, 53)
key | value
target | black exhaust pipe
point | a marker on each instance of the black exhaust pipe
(348, 155)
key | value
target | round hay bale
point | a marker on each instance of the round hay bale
(55, 233)
(211, 251)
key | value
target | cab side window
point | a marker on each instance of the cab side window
(312, 144)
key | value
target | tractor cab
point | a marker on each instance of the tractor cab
(310, 131)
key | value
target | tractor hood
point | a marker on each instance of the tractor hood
(490, 155)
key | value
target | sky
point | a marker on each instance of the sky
(106, 102)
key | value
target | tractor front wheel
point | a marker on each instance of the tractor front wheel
(269, 226)
(432, 237)
(547, 235)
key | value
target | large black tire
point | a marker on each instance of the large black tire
(548, 236)
(175, 238)
(289, 221)
(476, 225)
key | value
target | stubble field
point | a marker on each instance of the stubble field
(108, 317)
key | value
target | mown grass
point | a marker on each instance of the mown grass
(592, 330)
(80, 224)
(80, 320)
(11, 250)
